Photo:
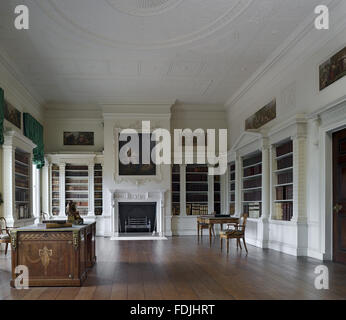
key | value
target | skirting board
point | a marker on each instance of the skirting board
(138, 238)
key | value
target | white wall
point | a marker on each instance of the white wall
(291, 76)
(60, 118)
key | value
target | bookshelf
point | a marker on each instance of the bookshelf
(175, 190)
(77, 186)
(196, 190)
(22, 185)
(232, 188)
(217, 195)
(55, 189)
(252, 185)
(283, 181)
(98, 195)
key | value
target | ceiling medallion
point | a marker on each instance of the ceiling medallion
(143, 7)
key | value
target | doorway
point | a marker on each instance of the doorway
(339, 196)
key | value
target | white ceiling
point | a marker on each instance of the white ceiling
(129, 51)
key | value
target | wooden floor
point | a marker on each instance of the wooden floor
(182, 268)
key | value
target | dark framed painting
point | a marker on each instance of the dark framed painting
(140, 169)
(12, 115)
(78, 138)
(261, 117)
(333, 69)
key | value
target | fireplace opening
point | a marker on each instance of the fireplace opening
(137, 217)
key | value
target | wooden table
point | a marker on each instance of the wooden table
(54, 257)
(212, 220)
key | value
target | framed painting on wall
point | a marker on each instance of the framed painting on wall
(78, 138)
(12, 115)
(333, 69)
(261, 117)
(140, 169)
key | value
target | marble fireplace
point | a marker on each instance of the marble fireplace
(139, 197)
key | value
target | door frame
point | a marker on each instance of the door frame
(334, 124)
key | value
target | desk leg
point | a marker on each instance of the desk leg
(210, 231)
(198, 230)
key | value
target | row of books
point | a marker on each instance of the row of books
(253, 195)
(176, 198)
(55, 174)
(286, 177)
(23, 212)
(176, 210)
(232, 209)
(192, 197)
(253, 171)
(21, 169)
(98, 203)
(98, 188)
(197, 187)
(22, 182)
(22, 157)
(285, 163)
(232, 177)
(196, 169)
(252, 160)
(252, 183)
(284, 193)
(75, 167)
(175, 178)
(196, 209)
(22, 195)
(55, 211)
(232, 197)
(81, 181)
(76, 188)
(77, 174)
(55, 203)
(284, 211)
(98, 180)
(196, 177)
(97, 173)
(253, 210)
(284, 149)
(76, 195)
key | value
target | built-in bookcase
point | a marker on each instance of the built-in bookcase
(196, 190)
(55, 189)
(252, 185)
(77, 186)
(283, 181)
(98, 195)
(22, 185)
(232, 188)
(176, 190)
(217, 195)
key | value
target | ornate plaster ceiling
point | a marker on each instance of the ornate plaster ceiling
(129, 51)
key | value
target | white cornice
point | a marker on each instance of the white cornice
(282, 51)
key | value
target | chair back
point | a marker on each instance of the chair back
(243, 220)
(3, 226)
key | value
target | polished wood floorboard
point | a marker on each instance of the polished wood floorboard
(183, 268)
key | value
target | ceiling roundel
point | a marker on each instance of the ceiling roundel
(160, 31)
(143, 7)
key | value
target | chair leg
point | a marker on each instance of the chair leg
(227, 245)
(239, 244)
(221, 244)
(245, 244)
(6, 248)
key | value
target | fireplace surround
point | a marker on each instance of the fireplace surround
(133, 198)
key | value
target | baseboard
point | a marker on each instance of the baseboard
(287, 248)
(315, 254)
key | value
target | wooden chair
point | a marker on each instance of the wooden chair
(235, 231)
(206, 226)
(4, 233)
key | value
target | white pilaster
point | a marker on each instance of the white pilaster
(210, 194)
(183, 190)
(8, 184)
(91, 210)
(62, 167)
(263, 223)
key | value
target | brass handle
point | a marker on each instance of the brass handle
(337, 208)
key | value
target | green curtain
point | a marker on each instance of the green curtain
(2, 107)
(34, 131)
